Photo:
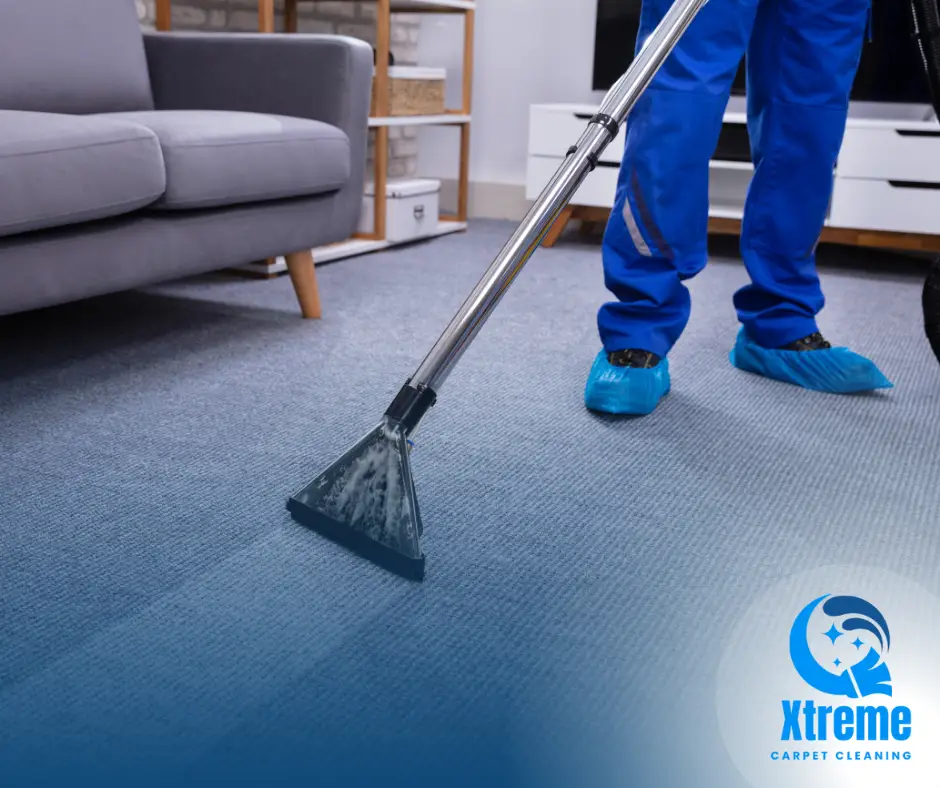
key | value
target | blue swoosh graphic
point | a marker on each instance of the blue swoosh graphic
(871, 674)
(852, 605)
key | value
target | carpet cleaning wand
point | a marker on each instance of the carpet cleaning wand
(366, 500)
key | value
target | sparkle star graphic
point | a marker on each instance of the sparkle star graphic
(857, 643)
(838, 662)
(833, 633)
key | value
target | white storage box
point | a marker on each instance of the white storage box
(412, 208)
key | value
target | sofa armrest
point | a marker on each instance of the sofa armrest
(320, 77)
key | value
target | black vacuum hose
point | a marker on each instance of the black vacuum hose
(927, 37)
(932, 307)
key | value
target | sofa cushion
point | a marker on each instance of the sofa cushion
(76, 56)
(216, 158)
(62, 169)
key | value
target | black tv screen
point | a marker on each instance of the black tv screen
(890, 71)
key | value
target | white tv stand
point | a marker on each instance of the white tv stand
(886, 184)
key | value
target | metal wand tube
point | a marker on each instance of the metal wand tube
(580, 161)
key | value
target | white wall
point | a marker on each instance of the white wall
(526, 52)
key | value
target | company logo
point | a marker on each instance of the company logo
(828, 680)
(838, 646)
(848, 657)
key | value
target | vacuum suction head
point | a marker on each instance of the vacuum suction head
(366, 502)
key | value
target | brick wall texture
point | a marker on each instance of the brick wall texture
(355, 19)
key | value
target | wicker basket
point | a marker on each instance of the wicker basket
(414, 91)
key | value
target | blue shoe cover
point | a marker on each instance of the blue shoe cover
(835, 370)
(625, 391)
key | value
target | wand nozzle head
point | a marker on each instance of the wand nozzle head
(366, 499)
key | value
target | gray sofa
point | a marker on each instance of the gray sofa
(129, 158)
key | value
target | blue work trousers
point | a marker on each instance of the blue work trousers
(802, 57)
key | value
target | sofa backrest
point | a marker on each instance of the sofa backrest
(72, 56)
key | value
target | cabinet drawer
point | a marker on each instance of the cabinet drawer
(889, 154)
(881, 205)
(552, 130)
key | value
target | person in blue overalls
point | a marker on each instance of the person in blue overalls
(801, 59)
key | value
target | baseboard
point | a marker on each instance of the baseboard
(487, 200)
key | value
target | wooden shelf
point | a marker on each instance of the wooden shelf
(424, 6)
(432, 6)
(450, 119)
(382, 121)
(353, 247)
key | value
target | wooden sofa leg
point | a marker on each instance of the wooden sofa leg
(303, 276)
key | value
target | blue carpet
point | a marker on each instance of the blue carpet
(161, 616)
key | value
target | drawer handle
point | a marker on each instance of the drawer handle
(583, 115)
(419, 212)
(916, 133)
(915, 185)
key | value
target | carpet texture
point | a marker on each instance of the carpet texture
(162, 617)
